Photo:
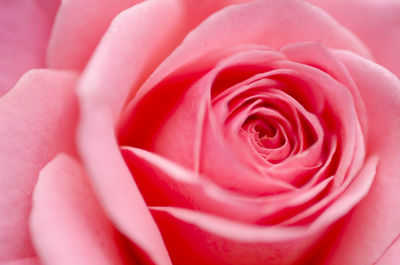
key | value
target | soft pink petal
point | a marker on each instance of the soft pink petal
(317, 55)
(37, 120)
(78, 29)
(199, 10)
(392, 254)
(375, 223)
(23, 261)
(129, 51)
(273, 23)
(375, 22)
(114, 184)
(67, 224)
(24, 31)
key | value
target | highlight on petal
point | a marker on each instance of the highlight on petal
(67, 223)
(24, 31)
(391, 255)
(113, 183)
(365, 239)
(37, 120)
(376, 23)
(271, 23)
(78, 29)
(129, 52)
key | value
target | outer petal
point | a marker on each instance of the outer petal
(78, 29)
(375, 223)
(67, 224)
(24, 31)
(391, 255)
(375, 22)
(103, 90)
(272, 23)
(114, 185)
(26, 261)
(129, 51)
(37, 120)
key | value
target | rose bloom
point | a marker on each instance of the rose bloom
(200, 132)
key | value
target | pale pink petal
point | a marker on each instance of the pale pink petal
(317, 55)
(78, 29)
(129, 51)
(37, 120)
(24, 31)
(375, 22)
(197, 11)
(67, 224)
(114, 184)
(24, 261)
(375, 223)
(273, 23)
(391, 255)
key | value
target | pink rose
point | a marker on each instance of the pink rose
(200, 132)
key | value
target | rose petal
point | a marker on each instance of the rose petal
(272, 23)
(114, 184)
(67, 224)
(26, 261)
(24, 31)
(190, 241)
(128, 51)
(208, 239)
(375, 222)
(376, 23)
(391, 255)
(179, 187)
(317, 55)
(78, 29)
(37, 120)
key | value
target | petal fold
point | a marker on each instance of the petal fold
(375, 222)
(37, 120)
(376, 23)
(68, 225)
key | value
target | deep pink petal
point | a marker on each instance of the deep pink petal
(224, 241)
(375, 22)
(197, 238)
(67, 224)
(37, 120)
(25, 27)
(375, 222)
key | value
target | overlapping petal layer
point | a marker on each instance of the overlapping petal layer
(214, 136)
